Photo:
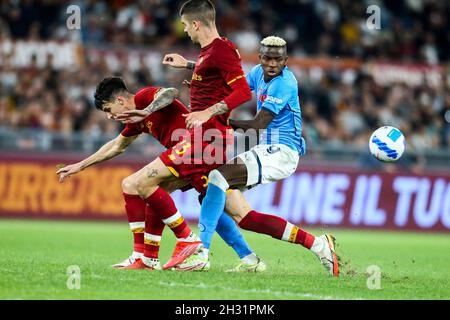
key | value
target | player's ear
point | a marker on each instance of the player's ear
(196, 24)
(120, 100)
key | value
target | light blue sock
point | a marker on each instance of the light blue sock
(212, 209)
(229, 232)
(213, 206)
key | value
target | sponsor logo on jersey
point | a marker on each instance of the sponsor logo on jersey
(149, 125)
(265, 97)
(197, 77)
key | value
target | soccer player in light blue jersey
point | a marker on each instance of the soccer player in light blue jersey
(275, 157)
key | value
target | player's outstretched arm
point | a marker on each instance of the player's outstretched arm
(163, 98)
(177, 61)
(106, 152)
(260, 121)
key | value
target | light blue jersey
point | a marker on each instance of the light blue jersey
(280, 97)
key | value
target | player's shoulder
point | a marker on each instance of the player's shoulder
(224, 42)
(224, 46)
(145, 96)
(286, 80)
(147, 91)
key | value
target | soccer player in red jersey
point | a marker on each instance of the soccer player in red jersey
(113, 97)
(218, 86)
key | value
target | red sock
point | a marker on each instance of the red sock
(162, 204)
(153, 231)
(135, 208)
(276, 227)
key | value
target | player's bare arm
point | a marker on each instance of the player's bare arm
(163, 98)
(195, 119)
(177, 61)
(260, 121)
(108, 151)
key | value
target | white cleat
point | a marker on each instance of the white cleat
(327, 255)
(127, 262)
(258, 266)
(195, 262)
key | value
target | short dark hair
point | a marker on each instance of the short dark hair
(107, 90)
(202, 10)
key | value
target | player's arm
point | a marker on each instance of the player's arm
(177, 61)
(109, 150)
(260, 121)
(163, 98)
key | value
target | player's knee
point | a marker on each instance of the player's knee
(129, 185)
(145, 187)
(215, 177)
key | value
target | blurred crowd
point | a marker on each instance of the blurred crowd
(336, 109)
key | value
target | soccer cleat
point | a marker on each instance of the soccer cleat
(127, 262)
(182, 251)
(195, 262)
(259, 266)
(139, 264)
(327, 255)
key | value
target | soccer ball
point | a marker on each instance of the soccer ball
(387, 144)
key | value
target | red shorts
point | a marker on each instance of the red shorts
(196, 155)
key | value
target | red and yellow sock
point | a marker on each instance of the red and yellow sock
(162, 204)
(276, 227)
(135, 209)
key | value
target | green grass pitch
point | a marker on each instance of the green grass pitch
(34, 256)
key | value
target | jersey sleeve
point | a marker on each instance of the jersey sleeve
(131, 129)
(278, 96)
(229, 64)
(144, 97)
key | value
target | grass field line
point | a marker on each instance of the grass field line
(265, 291)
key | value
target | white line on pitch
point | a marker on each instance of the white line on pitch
(266, 291)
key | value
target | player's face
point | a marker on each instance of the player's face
(273, 60)
(116, 107)
(190, 27)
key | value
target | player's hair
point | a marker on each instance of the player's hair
(202, 10)
(108, 89)
(273, 41)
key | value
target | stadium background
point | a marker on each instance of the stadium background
(351, 81)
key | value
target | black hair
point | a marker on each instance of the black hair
(202, 10)
(107, 90)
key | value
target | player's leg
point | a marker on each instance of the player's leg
(135, 210)
(212, 208)
(249, 261)
(214, 203)
(146, 181)
(141, 219)
(279, 228)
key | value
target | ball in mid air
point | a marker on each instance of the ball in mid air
(387, 144)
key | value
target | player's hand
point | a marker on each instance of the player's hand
(175, 60)
(187, 83)
(66, 171)
(132, 116)
(196, 119)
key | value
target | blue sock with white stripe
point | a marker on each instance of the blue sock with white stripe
(229, 232)
(212, 206)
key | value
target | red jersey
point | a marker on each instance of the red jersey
(218, 66)
(160, 123)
